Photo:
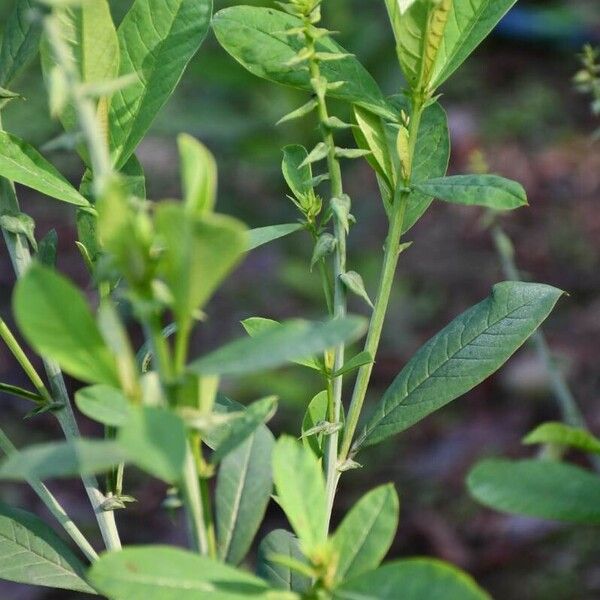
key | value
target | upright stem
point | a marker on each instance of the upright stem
(194, 504)
(339, 295)
(52, 504)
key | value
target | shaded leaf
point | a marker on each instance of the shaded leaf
(315, 414)
(263, 235)
(198, 175)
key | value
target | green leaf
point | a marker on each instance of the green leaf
(461, 356)
(57, 322)
(361, 359)
(61, 460)
(198, 175)
(157, 38)
(256, 38)
(301, 492)
(23, 164)
(537, 488)
(198, 253)
(244, 486)
(263, 235)
(47, 249)
(21, 224)
(167, 573)
(155, 440)
(257, 325)
(366, 533)
(296, 171)
(31, 553)
(244, 426)
(355, 284)
(563, 435)
(418, 578)
(104, 404)
(20, 42)
(275, 347)
(315, 413)
(490, 191)
(282, 543)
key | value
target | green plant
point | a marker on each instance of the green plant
(587, 79)
(162, 262)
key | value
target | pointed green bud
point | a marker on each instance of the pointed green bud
(341, 209)
(318, 153)
(324, 247)
(354, 283)
(304, 110)
(351, 153)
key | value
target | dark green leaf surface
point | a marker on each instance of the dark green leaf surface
(256, 38)
(244, 486)
(418, 578)
(157, 38)
(461, 356)
(490, 191)
(31, 553)
(167, 573)
(277, 346)
(537, 488)
(365, 535)
(281, 543)
(56, 320)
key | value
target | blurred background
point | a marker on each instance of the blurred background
(512, 103)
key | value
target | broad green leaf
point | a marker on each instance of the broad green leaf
(418, 578)
(244, 486)
(263, 235)
(277, 346)
(168, 573)
(20, 41)
(564, 435)
(61, 460)
(57, 322)
(296, 171)
(198, 253)
(256, 38)
(198, 175)
(537, 488)
(31, 553)
(244, 426)
(490, 191)
(315, 414)
(366, 533)
(104, 404)
(23, 164)
(256, 325)
(301, 492)
(461, 356)
(282, 543)
(155, 440)
(157, 38)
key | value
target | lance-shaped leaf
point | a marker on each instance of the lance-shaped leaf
(281, 543)
(31, 553)
(244, 486)
(20, 41)
(163, 572)
(490, 191)
(56, 320)
(257, 39)
(297, 172)
(263, 235)
(316, 413)
(300, 488)
(278, 345)
(157, 38)
(23, 164)
(198, 175)
(560, 434)
(537, 488)
(364, 537)
(461, 356)
(418, 578)
(61, 460)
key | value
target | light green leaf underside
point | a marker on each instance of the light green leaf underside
(167, 573)
(157, 38)
(244, 486)
(462, 355)
(277, 346)
(537, 488)
(564, 435)
(418, 578)
(104, 404)
(22, 163)
(31, 553)
(256, 38)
